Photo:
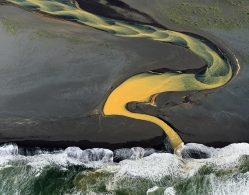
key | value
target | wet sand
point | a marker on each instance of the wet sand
(56, 92)
(210, 117)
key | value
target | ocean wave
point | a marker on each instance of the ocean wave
(141, 171)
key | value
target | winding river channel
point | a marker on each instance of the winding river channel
(143, 86)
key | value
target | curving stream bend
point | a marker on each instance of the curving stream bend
(143, 86)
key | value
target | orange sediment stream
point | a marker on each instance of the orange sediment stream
(145, 86)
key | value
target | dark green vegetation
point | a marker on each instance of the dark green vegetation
(10, 26)
(225, 14)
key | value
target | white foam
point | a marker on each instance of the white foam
(8, 149)
(154, 190)
(133, 153)
(237, 184)
(95, 158)
(153, 167)
(232, 149)
(170, 191)
(90, 155)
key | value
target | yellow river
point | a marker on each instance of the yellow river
(142, 86)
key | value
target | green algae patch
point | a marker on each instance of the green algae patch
(245, 56)
(9, 25)
(225, 14)
(40, 34)
(45, 34)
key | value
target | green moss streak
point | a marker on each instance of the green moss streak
(9, 26)
(245, 56)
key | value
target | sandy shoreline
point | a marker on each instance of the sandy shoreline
(135, 59)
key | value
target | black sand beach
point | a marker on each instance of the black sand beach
(54, 97)
(66, 87)
(216, 117)
(59, 97)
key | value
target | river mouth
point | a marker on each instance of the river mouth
(209, 79)
(72, 170)
(218, 71)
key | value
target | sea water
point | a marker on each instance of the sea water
(141, 171)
